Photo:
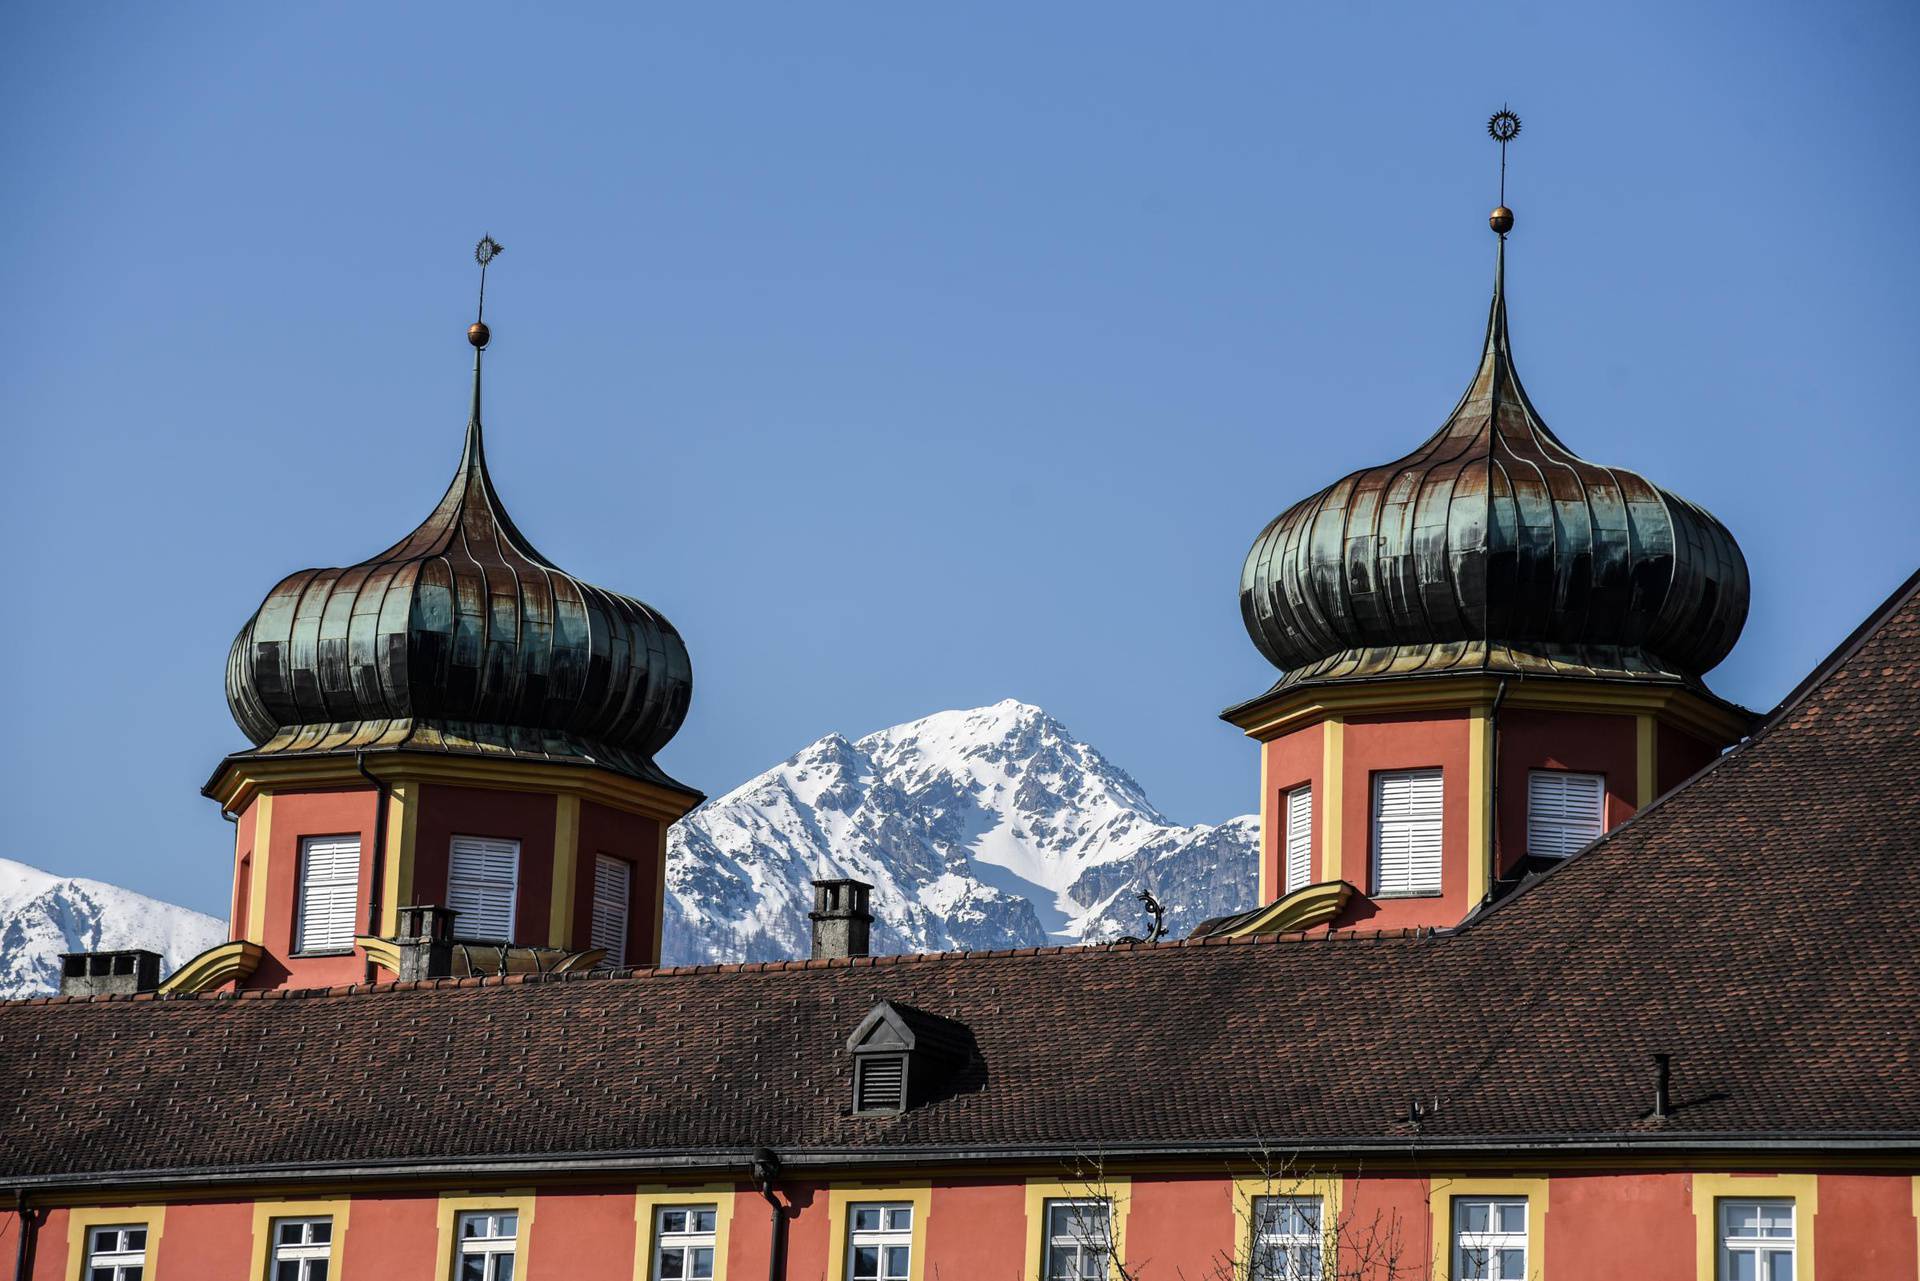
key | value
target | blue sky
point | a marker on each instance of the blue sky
(907, 357)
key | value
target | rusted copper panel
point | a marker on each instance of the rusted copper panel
(460, 637)
(1493, 544)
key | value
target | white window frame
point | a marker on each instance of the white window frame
(1554, 828)
(325, 895)
(467, 920)
(304, 1252)
(691, 1235)
(883, 1227)
(1297, 837)
(110, 1249)
(1065, 1247)
(612, 915)
(1394, 836)
(490, 1245)
(1287, 1239)
(1494, 1243)
(1757, 1248)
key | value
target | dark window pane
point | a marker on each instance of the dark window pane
(317, 1270)
(503, 1267)
(896, 1261)
(673, 1264)
(320, 1233)
(287, 1270)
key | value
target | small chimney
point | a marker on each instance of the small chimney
(425, 938)
(109, 973)
(1662, 1085)
(840, 918)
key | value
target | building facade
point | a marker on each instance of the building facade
(1564, 967)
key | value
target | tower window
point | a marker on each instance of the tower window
(482, 877)
(329, 893)
(1299, 838)
(612, 888)
(1406, 832)
(117, 1254)
(1566, 812)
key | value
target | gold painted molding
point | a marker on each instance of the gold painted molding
(1441, 1190)
(841, 1197)
(566, 869)
(1710, 1189)
(241, 777)
(1306, 907)
(1268, 718)
(1332, 806)
(218, 964)
(384, 953)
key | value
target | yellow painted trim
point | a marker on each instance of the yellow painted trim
(1647, 758)
(918, 1195)
(659, 893)
(384, 953)
(1332, 806)
(519, 1200)
(403, 821)
(256, 929)
(240, 778)
(82, 1221)
(648, 1198)
(1709, 1189)
(216, 965)
(1269, 803)
(1306, 907)
(265, 1212)
(1441, 1192)
(1117, 1189)
(566, 869)
(1246, 1190)
(1675, 704)
(1480, 816)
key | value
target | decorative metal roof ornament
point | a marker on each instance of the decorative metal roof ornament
(1503, 127)
(483, 253)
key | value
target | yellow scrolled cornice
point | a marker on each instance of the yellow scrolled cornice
(1306, 907)
(221, 963)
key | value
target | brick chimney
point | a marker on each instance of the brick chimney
(109, 973)
(840, 918)
(424, 935)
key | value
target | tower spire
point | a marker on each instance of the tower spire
(477, 333)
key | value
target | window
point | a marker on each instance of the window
(301, 1249)
(1490, 1238)
(683, 1242)
(117, 1254)
(1078, 1240)
(1565, 812)
(1756, 1241)
(1286, 1239)
(486, 1246)
(612, 887)
(481, 878)
(879, 1242)
(329, 892)
(1299, 838)
(1406, 832)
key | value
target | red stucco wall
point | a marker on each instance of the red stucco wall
(1626, 1226)
(588, 1235)
(975, 1228)
(1530, 739)
(1865, 1228)
(1180, 1226)
(391, 1237)
(1680, 756)
(344, 812)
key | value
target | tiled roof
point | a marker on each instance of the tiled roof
(1761, 926)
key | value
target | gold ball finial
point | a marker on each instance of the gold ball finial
(1501, 219)
(478, 334)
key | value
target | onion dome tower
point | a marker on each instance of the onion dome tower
(1492, 650)
(455, 723)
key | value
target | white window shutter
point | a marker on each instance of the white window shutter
(612, 886)
(1407, 812)
(482, 876)
(329, 893)
(1299, 838)
(1565, 812)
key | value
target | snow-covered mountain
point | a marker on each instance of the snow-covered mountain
(988, 828)
(42, 915)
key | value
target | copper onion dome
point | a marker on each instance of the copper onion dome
(460, 637)
(1493, 546)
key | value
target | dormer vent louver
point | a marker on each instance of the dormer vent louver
(903, 1057)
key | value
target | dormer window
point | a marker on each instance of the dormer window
(903, 1057)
